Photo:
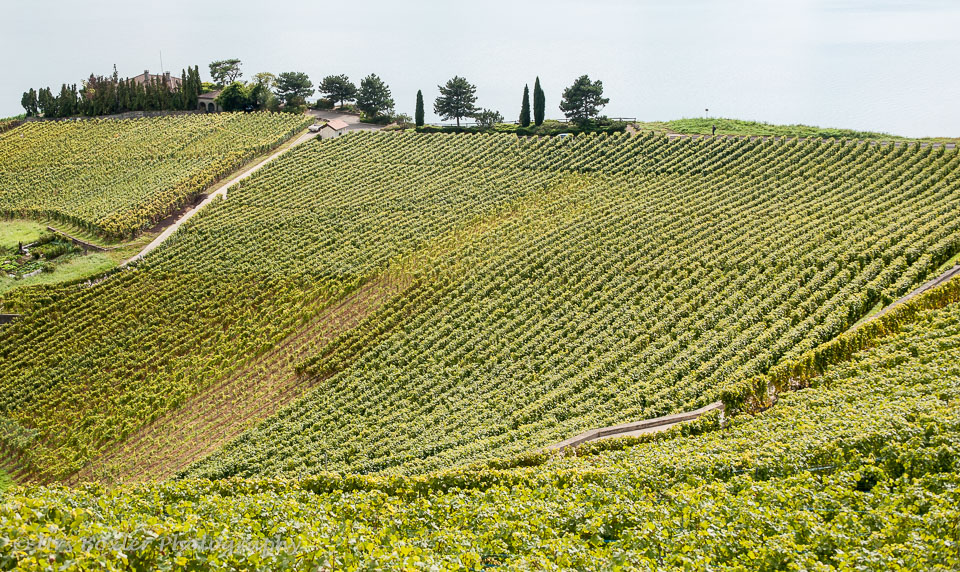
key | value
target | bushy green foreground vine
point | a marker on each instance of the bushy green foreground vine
(859, 472)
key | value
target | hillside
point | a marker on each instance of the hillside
(402, 303)
(740, 127)
(859, 471)
(115, 178)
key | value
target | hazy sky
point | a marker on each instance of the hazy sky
(879, 65)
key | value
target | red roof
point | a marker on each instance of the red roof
(337, 124)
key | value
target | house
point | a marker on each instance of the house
(208, 102)
(334, 128)
(171, 81)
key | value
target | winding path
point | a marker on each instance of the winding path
(220, 192)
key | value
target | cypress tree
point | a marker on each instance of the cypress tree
(525, 108)
(418, 115)
(183, 91)
(539, 103)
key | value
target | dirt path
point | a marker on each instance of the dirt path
(946, 276)
(221, 412)
(352, 121)
(635, 428)
(220, 192)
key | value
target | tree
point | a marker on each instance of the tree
(539, 103)
(418, 115)
(266, 79)
(67, 101)
(225, 72)
(374, 97)
(293, 89)
(583, 100)
(488, 118)
(234, 97)
(525, 108)
(46, 103)
(190, 89)
(29, 102)
(457, 99)
(260, 96)
(338, 88)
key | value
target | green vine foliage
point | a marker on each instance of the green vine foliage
(543, 287)
(861, 471)
(116, 178)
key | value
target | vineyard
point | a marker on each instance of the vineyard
(526, 290)
(859, 471)
(116, 178)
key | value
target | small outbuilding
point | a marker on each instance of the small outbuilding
(334, 128)
(208, 102)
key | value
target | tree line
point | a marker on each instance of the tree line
(289, 91)
(105, 95)
(286, 91)
(580, 103)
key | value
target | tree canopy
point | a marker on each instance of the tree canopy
(457, 99)
(488, 117)
(29, 102)
(582, 100)
(338, 88)
(104, 95)
(374, 97)
(525, 108)
(293, 88)
(539, 103)
(418, 115)
(266, 79)
(234, 97)
(224, 72)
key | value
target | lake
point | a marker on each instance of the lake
(871, 65)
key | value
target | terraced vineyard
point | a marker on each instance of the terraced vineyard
(859, 472)
(486, 295)
(116, 178)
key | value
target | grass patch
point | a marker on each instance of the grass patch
(13, 232)
(70, 267)
(948, 264)
(80, 266)
(740, 127)
(5, 481)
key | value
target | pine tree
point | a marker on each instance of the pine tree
(583, 100)
(525, 108)
(539, 103)
(457, 100)
(418, 115)
(374, 98)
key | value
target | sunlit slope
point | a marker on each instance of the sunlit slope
(543, 286)
(861, 471)
(629, 289)
(115, 178)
